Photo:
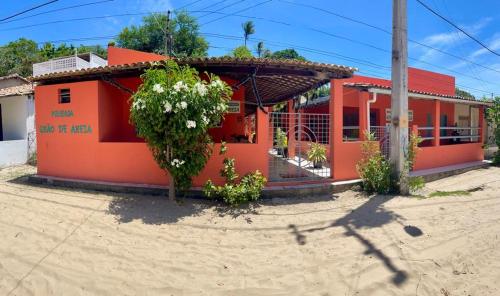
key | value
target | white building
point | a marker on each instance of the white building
(17, 129)
(70, 63)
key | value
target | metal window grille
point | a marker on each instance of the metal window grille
(291, 138)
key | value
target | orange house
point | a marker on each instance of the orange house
(451, 127)
(87, 135)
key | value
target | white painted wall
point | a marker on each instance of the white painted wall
(14, 114)
(18, 118)
(13, 152)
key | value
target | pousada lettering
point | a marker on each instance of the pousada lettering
(81, 129)
(62, 113)
(46, 129)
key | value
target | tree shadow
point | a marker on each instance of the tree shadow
(369, 215)
(154, 210)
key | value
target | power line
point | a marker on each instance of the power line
(189, 4)
(241, 15)
(28, 10)
(222, 8)
(75, 19)
(56, 10)
(361, 43)
(387, 32)
(241, 10)
(329, 54)
(458, 28)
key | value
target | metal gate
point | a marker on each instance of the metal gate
(295, 138)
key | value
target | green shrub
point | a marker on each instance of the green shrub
(317, 154)
(373, 168)
(248, 189)
(416, 183)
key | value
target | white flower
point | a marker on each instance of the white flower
(139, 104)
(217, 83)
(158, 88)
(179, 86)
(183, 105)
(200, 88)
(191, 124)
(177, 163)
(205, 119)
(168, 107)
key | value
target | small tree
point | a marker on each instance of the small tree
(173, 110)
(260, 49)
(493, 117)
(248, 29)
(241, 52)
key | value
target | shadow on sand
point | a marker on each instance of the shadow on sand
(371, 214)
(158, 210)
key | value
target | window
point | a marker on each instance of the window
(64, 96)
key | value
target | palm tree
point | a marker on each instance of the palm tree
(260, 49)
(248, 29)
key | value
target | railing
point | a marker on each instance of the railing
(458, 133)
(67, 64)
(428, 132)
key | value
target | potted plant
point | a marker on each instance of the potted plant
(282, 142)
(317, 154)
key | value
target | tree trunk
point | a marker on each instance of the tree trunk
(171, 190)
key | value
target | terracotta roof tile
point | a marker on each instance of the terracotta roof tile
(222, 61)
(15, 75)
(18, 90)
(362, 85)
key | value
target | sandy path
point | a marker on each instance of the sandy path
(60, 242)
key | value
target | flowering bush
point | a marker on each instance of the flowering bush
(172, 111)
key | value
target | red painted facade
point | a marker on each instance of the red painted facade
(97, 142)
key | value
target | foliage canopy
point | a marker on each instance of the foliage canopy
(173, 110)
(150, 36)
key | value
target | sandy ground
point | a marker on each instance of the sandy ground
(62, 242)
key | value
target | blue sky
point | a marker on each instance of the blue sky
(317, 35)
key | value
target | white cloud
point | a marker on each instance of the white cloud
(494, 44)
(454, 37)
(445, 40)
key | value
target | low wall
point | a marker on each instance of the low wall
(347, 155)
(13, 152)
(133, 163)
(439, 156)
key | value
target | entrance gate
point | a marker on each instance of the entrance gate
(293, 139)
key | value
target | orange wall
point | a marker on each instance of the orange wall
(438, 156)
(119, 56)
(418, 79)
(234, 123)
(104, 154)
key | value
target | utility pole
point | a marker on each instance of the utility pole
(399, 96)
(168, 37)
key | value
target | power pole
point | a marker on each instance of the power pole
(168, 37)
(399, 96)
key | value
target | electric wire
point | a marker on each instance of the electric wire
(458, 28)
(28, 10)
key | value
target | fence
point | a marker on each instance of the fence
(299, 148)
